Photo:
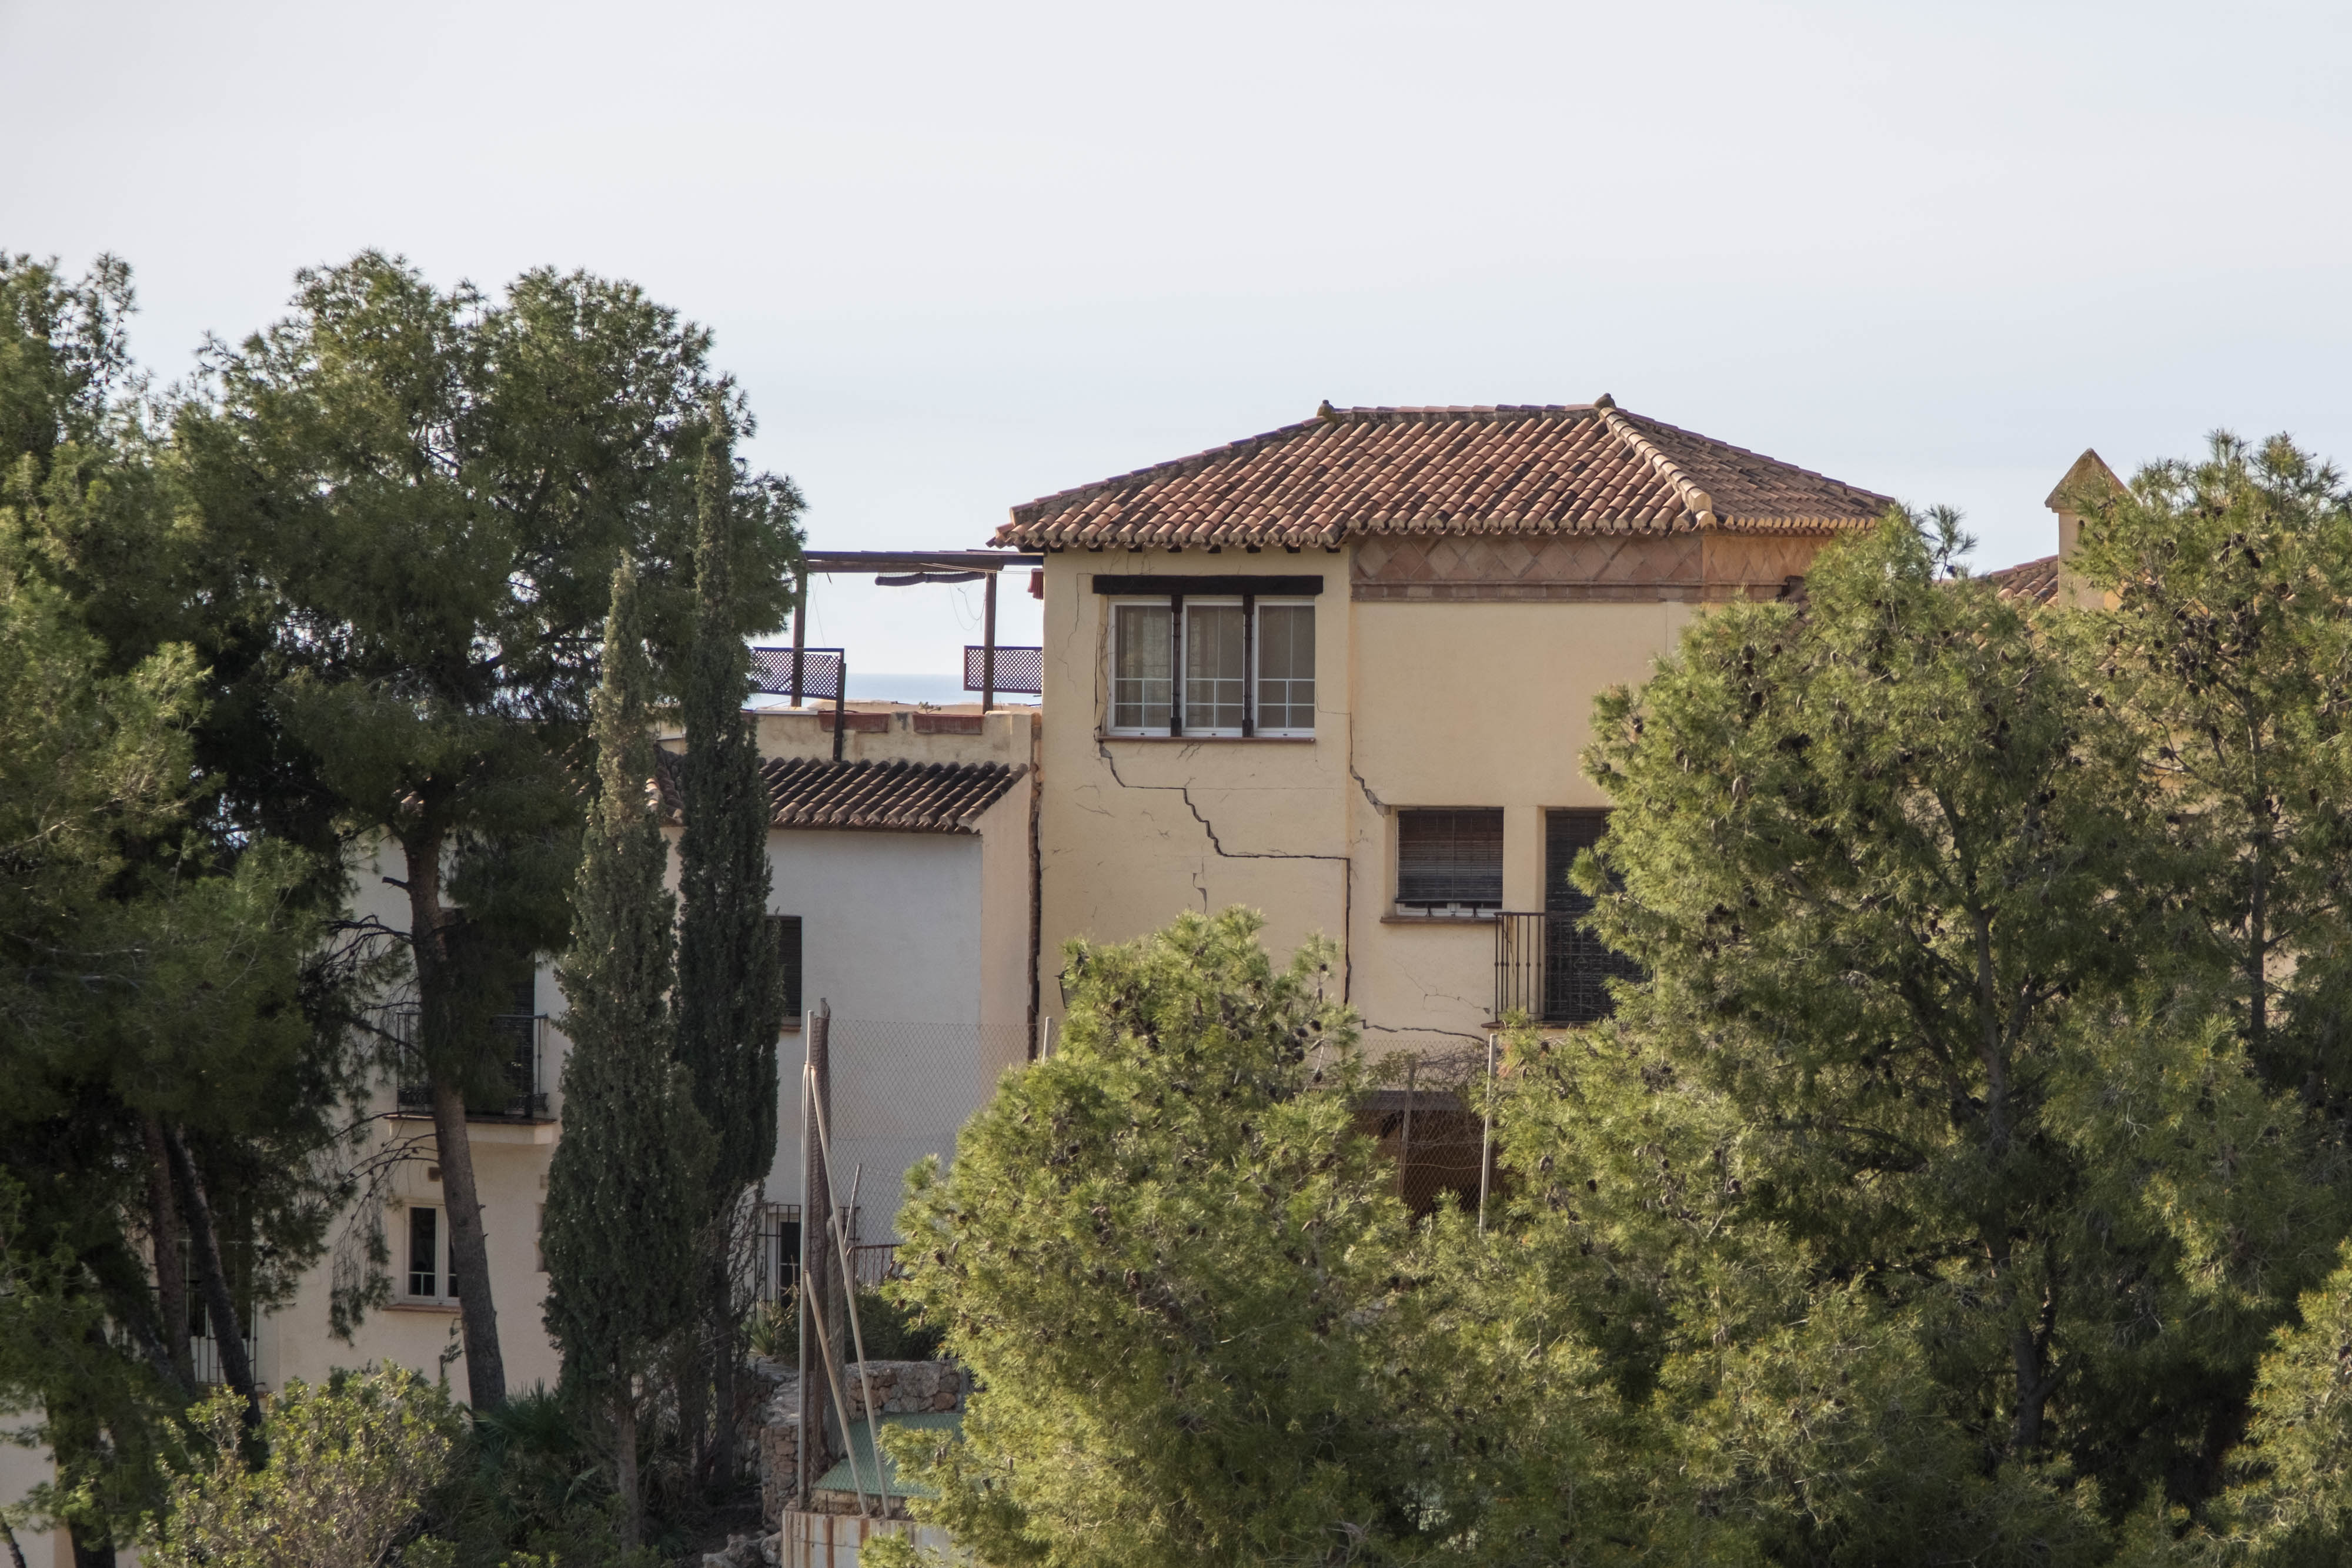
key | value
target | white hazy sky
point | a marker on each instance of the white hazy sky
(961, 256)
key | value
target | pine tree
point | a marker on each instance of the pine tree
(1912, 1106)
(435, 486)
(730, 998)
(1168, 1257)
(2229, 647)
(625, 1191)
(171, 1047)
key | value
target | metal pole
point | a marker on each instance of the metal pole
(840, 702)
(800, 641)
(816, 1207)
(1404, 1144)
(801, 1406)
(988, 645)
(1487, 1136)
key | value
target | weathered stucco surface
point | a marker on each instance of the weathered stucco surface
(1457, 671)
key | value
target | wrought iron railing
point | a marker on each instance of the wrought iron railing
(1553, 968)
(203, 1355)
(776, 1253)
(523, 1068)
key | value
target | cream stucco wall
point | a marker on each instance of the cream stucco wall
(1420, 702)
(925, 930)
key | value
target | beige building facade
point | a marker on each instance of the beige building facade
(1424, 602)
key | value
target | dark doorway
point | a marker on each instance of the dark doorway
(1577, 964)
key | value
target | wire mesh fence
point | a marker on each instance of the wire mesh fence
(1428, 1116)
(900, 1092)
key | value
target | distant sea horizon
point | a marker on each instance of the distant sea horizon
(912, 686)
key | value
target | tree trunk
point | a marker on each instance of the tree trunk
(88, 1552)
(220, 1303)
(163, 1226)
(469, 1253)
(625, 1470)
(470, 1250)
(725, 1349)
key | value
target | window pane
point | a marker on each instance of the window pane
(1450, 858)
(1214, 672)
(424, 1251)
(1142, 684)
(1286, 667)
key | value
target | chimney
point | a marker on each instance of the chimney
(2087, 480)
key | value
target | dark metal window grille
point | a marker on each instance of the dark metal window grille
(787, 931)
(1577, 964)
(777, 1251)
(424, 1252)
(1020, 670)
(1448, 859)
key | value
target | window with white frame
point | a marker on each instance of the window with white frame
(429, 1275)
(1247, 665)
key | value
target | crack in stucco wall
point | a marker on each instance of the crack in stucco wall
(1209, 830)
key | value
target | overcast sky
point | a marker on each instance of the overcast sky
(964, 255)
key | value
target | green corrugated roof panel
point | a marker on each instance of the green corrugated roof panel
(838, 1478)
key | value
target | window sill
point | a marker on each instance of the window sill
(445, 1308)
(1487, 919)
(1208, 739)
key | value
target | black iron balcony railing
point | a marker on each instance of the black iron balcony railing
(1553, 969)
(524, 1066)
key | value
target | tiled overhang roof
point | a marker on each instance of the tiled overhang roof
(897, 797)
(2033, 580)
(905, 797)
(1580, 468)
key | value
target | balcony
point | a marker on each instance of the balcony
(524, 1066)
(1554, 971)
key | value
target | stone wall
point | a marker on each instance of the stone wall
(900, 1388)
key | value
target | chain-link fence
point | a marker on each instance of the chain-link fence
(1429, 1115)
(900, 1092)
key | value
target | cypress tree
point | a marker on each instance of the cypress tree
(730, 1002)
(625, 1194)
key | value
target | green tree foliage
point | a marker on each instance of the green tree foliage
(730, 994)
(1165, 1253)
(158, 978)
(352, 1462)
(436, 489)
(730, 997)
(625, 1192)
(2229, 649)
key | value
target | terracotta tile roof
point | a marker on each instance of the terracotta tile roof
(907, 797)
(1578, 468)
(2034, 580)
(901, 797)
